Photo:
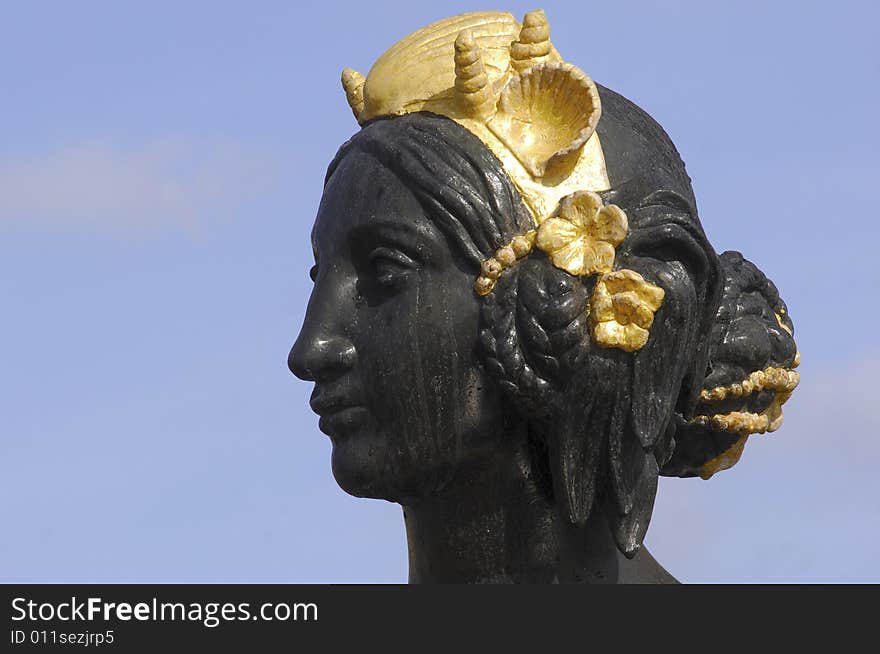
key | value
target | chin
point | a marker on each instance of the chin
(363, 467)
(357, 468)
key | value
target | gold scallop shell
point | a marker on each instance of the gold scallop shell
(545, 114)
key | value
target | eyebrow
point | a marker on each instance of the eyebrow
(406, 236)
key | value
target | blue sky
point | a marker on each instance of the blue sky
(160, 169)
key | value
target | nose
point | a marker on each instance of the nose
(320, 357)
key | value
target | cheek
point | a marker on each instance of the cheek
(422, 377)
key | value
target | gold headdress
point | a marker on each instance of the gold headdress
(506, 84)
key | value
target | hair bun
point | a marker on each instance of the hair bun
(750, 374)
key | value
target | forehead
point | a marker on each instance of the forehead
(361, 194)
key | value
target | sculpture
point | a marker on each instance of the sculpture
(517, 322)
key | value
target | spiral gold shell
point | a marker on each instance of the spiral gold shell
(472, 88)
(353, 83)
(533, 46)
(545, 114)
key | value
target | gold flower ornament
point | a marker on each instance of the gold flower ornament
(622, 310)
(580, 238)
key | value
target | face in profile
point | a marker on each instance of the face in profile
(389, 339)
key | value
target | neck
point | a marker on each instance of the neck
(497, 526)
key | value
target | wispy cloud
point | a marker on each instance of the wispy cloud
(96, 186)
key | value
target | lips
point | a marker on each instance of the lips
(326, 403)
(342, 414)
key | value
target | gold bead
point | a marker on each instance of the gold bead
(491, 268)
(506, 256)
(776, 378)
(757, 379)
(718, 393)
(484, 285)
(720, 422)
(521, 246)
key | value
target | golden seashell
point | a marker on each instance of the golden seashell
(546, 114)
(353, 83)
(533, 46)
(472, 87)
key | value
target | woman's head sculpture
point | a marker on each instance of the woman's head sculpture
(517, 322)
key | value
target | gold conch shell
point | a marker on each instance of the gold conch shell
(471, 82)
(353, 83)
(533, 46)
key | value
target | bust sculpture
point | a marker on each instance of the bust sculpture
(517, 323)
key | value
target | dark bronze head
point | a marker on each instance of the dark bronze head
(498, 418)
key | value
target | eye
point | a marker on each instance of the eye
(389, 267)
